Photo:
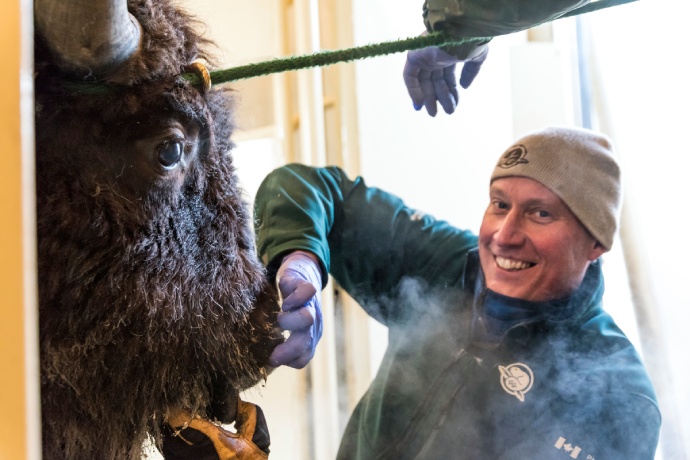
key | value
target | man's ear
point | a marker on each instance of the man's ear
(597, 251)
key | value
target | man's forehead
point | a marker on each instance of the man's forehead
(524, 189)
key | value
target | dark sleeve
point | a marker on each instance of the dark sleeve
(475, 18)
(480, 18)
(366, 238)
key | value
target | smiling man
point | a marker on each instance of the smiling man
(499, 347)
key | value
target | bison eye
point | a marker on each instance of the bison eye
(170, 153)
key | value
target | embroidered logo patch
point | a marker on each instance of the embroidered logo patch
(513, 157)
(516, 379)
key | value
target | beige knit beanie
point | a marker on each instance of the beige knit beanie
(578, 165)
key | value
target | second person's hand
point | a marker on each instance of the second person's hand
(429, 76)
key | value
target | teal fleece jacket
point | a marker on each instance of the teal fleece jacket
(468, 373)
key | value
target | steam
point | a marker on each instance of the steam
(446, 393)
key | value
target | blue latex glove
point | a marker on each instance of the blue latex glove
(299, 283)
(430, 76)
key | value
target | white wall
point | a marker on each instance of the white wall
(433, 163)
(641, 53)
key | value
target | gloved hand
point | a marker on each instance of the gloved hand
(299, 283)
(430, 76)
(194, 438)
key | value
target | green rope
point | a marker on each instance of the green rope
(324, 58)
(318, 59)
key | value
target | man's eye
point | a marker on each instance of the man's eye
(170, 153)
(542, 214)
(500, 205)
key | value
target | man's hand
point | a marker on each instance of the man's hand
(430, 76)
(299, 282)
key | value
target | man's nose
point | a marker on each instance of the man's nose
(510, 231)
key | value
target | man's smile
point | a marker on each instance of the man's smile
(512, 264)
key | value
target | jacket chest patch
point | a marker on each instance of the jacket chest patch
(516, 379)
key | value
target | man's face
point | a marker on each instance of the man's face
(531, 246)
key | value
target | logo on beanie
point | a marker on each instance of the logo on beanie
(513, 157)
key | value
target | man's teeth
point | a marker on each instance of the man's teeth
(511, 264)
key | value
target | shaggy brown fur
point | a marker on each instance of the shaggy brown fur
(151, 294)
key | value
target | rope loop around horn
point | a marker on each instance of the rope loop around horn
(199, 76)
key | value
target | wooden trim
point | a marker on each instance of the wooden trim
(19, 390)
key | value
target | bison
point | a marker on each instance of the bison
(151, 295)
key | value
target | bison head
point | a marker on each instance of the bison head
(151, 294)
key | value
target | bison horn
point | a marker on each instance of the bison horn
(88, 36)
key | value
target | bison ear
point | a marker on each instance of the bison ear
(88, 37)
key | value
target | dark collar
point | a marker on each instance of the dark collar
(495, 314)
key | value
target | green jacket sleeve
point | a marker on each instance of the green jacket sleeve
(483, 18)
(366, 238)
